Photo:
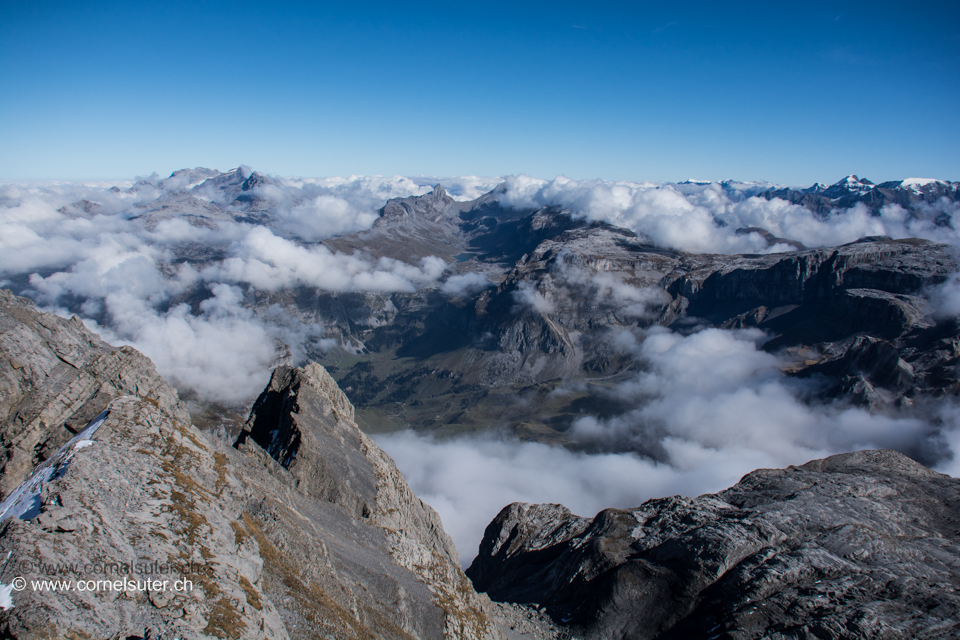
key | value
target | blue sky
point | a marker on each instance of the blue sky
(634, 91)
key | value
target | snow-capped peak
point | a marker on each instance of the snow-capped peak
(853, 180)
(853, 184)
(919, 182)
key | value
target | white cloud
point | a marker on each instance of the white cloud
(464, 188)
(224, 352)
(705, 219)
(270, 263)
(716, 388)
(324, 216)
(465, 284)
(111, 256)
(469, 479)
(314, 209)
(604, 289)
(527, 295)
(945, 298)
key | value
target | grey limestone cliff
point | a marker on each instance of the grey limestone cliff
(856, 316)
(305, 422)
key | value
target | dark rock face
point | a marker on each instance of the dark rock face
(860, 545)
(324, 456)
(330, 543)
(857, 312)
(892, 266)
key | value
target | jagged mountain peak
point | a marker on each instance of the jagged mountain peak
(233, 177)
(187, 178)
(194, 172)
(853, 190)
(490, 197)
(852, 180)
(431, 207)
(254, 180)
(850, 184)
(919, 185)
(141, 482)
(810, 529)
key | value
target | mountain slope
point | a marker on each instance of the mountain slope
(915, 195)
(330, 543)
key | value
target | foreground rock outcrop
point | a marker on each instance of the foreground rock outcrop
(319, 537)
(55, 376)
(859, 545)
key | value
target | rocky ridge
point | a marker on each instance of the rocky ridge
(860, 545)
(55, 377)
(337, 548)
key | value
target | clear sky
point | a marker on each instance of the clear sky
(788, 92)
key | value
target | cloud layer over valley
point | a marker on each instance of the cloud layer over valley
(130, 262)
(205, 273)
(704, 410)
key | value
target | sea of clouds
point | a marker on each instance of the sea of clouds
(706, 406)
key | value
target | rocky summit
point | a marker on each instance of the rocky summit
(859, 545)
(302, 528)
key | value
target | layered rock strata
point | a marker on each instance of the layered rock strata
(560, 286)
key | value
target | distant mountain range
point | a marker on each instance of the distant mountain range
(910, 194)
(531, 295)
